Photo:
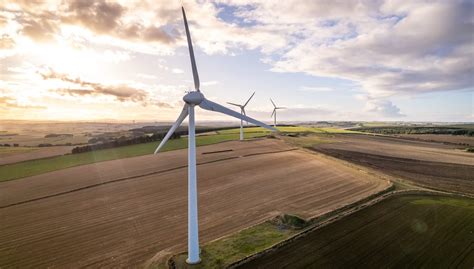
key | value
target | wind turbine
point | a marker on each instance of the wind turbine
(274, 113)
(242, 111)
(192, 99)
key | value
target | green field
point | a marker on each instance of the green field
(289, 129)
(412, 231)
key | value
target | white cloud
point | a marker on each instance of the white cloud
(384, 108)
(177, 71)
(147, 76)
(210, 83)
(315, 89)
(386, 47)
(116, 56)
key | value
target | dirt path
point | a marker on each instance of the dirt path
(124, 223)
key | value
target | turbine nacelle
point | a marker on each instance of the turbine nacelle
(193, 98)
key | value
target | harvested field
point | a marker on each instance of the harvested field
(450, 139)
(412, 231)
(35, 153)
(121, 213)
(429, 164)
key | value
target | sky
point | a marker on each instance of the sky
(377, 60)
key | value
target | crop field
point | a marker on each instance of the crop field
(433, 165)
(121, 213)
(32, 133)
(412, 231)
(31, 164)
(39, 166)
(9, 155)
(449, 139)
(289, 129)
(8, 151)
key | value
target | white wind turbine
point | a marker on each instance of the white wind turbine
(274, 113)
(192, 99)
(242, 111)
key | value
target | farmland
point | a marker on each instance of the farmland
(11, 155)
(447, 139)
(433, 165)
(39, 166)
(465, 129)
(416, 231)
(121, 213)
(119, 207)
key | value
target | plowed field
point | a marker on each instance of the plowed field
(121, 213)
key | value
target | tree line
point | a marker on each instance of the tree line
(120, 142)
(417, 130)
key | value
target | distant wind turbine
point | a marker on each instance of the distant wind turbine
(242, 111)
(274, 113)
(192, 99)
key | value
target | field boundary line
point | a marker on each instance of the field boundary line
(137, 176)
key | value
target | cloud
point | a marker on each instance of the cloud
(154, 33)
(300, 112)
(177, 71)
(315, 89)
(108, 22)
(6, 42)
(121, 92)
(395, 49)
(116, 56)
(147, 76)
(40, 29)
(383, 108)
(99, 16)
(163, 105)
(10, 102)
(210, 83)
(386, 48)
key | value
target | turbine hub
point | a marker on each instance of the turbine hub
(193, 98)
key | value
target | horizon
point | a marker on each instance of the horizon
(235, 122)
(116, 61)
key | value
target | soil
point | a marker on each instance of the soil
(121, 213)
(434, 165)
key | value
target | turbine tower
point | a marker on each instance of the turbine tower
(274, 113)
(242, 111)
(192, 99)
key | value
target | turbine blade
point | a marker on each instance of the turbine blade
(191, 52)
(182, 116)
(273, 112)
(233, 104)
(281, 107)
(249, 99)
(209, 105)
(245, 114)
(272, 102)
